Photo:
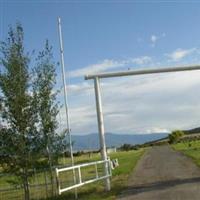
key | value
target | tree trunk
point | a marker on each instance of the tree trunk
(26, 186)
(51, 171)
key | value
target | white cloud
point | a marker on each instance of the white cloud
(157, 130)
(79, 87)
(142, 60)
(140, 104)
(154, 38)
(102, 66)
(179, 54)
(109, 65)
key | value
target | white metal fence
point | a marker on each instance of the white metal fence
(98, 174)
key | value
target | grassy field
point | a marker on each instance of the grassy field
(191, 149)
(127, 161)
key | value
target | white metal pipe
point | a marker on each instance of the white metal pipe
(65, 97)
(58, 181)
(81, 165)
(96, 171)
(97, 77)
(81, 182)
(79, 174)
(142, 72)
(101, 130)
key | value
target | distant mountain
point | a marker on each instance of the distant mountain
(91, 141)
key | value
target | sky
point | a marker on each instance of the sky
(104, 36)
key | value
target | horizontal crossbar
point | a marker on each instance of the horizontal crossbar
(81, 165)
(142, 72)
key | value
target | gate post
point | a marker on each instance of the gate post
(101, 130)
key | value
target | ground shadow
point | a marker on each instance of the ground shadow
(155, 186)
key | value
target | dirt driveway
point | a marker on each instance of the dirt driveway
(163, 174)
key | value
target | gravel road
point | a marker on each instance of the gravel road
(163, 174)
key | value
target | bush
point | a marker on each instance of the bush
(175, 136)
(128, 147)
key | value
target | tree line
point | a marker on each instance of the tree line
(28, 108)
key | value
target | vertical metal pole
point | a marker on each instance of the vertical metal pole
(101, 130)
(58, 181)
(65, 99)
(96, 171)
(79, 174)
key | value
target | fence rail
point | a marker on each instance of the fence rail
(81, 182)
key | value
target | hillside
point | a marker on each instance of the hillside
(192, 131)
(189, 135)
(91, 141)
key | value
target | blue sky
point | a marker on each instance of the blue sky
(117, 35)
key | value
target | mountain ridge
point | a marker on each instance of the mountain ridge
(91, 141)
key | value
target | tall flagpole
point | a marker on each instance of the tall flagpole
(65, 99)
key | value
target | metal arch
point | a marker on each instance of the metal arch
(97, 77)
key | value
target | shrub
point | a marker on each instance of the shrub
(175, 136)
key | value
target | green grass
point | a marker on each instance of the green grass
(127, 162)
(191, 149)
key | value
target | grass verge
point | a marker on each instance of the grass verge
(191, 149)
